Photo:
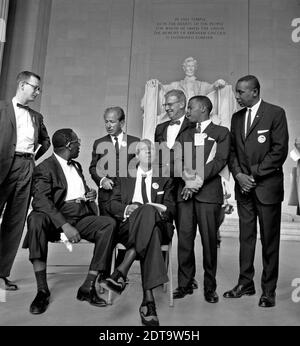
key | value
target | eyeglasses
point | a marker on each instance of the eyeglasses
(78, 141)
(35, 87)
(170, 104)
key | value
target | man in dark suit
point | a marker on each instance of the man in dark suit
(143, 227)
(209, 149)
(168, 134)
(22, 131)
(63, 203)
(111, 154)
(259, 147)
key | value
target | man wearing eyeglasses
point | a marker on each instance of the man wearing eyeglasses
(23, 139)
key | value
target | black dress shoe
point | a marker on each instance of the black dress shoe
(181, 292)
(100, 277)
(267, 300)
(194, 284)
(211, 296)
(148, 314)
(40, 302)
(116, 282)
(240, 290)
(90, 296)
(9, 286)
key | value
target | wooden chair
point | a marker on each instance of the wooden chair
(168, 261)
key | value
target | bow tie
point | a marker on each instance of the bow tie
(70, 162)
(22, 106)
(173, 122)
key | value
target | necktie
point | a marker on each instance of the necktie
(248, 122)
(22, 106)
(144, 191)
(117, 155)
(173, 122)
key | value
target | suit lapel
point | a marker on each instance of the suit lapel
(257, 118)
(35, 126)
(11, 114)
(60, 172)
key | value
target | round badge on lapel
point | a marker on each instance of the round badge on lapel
(124, 144)
(261, 139)
(155, 186)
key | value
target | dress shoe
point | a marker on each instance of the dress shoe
(240, 290)
(116, 282)
(181, 292)
(194, 284)
(9, 286)
(100, 277)
(148, 314)
(211, 296)
(90, 296)
(40, 302)
(267, 300)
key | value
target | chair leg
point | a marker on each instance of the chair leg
(112, 268)
(171, 302)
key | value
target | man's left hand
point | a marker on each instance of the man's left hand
(91, 195)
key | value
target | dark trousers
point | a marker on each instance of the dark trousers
(96, 229)
(145, 232)
(15, 198)
(206, 215)
(269, 216)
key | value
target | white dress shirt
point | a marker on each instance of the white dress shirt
(25, 129)
(75, 184)
(204, 124)
(120, 139)
(172, 133)
(137, 196)
(254, 110)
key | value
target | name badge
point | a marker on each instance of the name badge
(199, 139)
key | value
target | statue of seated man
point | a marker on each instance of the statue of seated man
(152, 103)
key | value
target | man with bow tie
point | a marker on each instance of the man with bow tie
(143, 227)
(23, 139)
(63, 203)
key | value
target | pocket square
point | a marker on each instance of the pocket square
(262, 131)
(210, 139)
(160, 192)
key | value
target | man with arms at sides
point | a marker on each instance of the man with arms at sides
(259, 147)
(115, 142)
(143, 227)
(168, 135)
(201, 207)
(21, 132)
(63, 203)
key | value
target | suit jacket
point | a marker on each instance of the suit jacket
(215, 154)
(126, 150)
(50, 189)
(162, 191)
(161, 138)
(262, 153)
(8, 137)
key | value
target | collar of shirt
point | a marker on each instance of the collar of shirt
(254, 110)
(120, 138)
(172, 132)
(204, 124)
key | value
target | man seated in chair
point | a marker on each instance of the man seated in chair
(143, 227)
(62, 202)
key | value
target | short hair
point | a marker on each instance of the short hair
(26, 75)
(203, 100)
(61, 137)
(120, 112)
(179, 94)
(252, 79)
(146, 141)
(190, 59)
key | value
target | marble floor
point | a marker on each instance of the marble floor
(66, 271)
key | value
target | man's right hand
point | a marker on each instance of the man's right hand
(246, 182)
(107, 184)
(71, 233)
(130, 209)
